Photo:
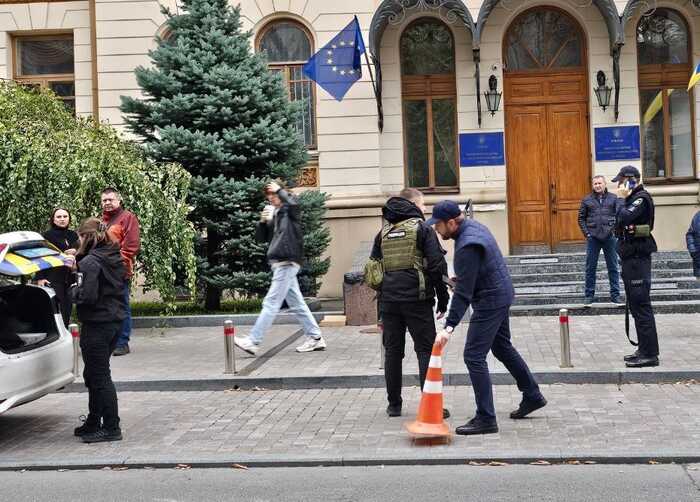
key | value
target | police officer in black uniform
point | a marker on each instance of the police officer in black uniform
(635, 220)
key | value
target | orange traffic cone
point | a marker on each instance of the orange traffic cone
(429, 423)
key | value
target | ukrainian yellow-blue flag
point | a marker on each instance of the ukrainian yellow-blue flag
(695, 77)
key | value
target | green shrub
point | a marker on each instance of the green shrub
(49, 158)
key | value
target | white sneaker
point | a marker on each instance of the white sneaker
(312, 344)
(244, 343)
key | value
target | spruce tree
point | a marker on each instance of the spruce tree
(213, 106)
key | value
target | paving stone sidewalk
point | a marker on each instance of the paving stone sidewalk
(600, 422)
(598, 343)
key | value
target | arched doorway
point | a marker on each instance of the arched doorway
(547, 130)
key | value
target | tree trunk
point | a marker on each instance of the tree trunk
(212, 298)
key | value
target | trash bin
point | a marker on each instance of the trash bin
(360, 301)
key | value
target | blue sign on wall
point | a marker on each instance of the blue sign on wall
(617, 143)
(481, 149)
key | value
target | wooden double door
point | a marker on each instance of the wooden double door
(547, 130)
(548, 170)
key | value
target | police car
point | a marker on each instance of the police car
(36, 350)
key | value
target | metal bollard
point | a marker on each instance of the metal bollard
(382, 356)
(229, 348)
(75, 333)
(564, 339)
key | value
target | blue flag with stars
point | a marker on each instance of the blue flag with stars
(337, 66)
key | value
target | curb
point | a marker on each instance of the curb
(377, 381)
(250, 461)
(217, 320)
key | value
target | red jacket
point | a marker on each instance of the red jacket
(123, 227)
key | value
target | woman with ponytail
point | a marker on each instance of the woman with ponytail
(99, 296)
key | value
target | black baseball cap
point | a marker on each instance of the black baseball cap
(625, 172)
(443, 211)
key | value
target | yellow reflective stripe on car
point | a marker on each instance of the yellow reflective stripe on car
(53, 261)
(23, 265)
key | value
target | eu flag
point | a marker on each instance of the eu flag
(337, 66)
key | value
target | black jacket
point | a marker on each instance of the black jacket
(596, 216)
(283, 232)
(637, 209)
(403, 285)
(100, 298)
(63, 239)
(692, 239)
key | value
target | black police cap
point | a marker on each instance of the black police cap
(626, 172)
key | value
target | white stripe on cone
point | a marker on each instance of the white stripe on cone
(432, 387)
(435, 362)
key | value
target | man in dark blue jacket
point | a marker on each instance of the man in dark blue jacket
(484, 282)
(596, 217)
(692, 239)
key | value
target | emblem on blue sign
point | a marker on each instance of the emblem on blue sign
(481, 149)
(617, 143)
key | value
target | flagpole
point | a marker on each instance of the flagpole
(380, 112)
(375, 88)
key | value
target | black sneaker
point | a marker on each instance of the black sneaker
(445, 413)
(393, 410)
(122, 350)
(617, 300)
(587, 302)
(103, 435)
(527, 406)
(631, 357)
(89, 426)
(477, 426)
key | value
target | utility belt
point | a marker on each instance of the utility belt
(636, 231)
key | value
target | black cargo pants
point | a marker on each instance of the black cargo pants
(397, 317)
(636, 275)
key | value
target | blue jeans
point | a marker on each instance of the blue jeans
(609, 247)
(490, 330)
(125, 333)
(285, 286)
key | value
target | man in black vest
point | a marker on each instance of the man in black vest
(635, 220)
(596, 217)
(484, 282)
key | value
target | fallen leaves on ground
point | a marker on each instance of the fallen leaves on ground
(540, 462)
(183, 466)
(239, 466)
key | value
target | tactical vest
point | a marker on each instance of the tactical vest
(400, 250)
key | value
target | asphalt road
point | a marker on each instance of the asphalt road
(570, 483)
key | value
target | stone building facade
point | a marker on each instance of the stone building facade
(439, 66)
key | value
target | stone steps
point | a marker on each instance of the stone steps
(546, 283)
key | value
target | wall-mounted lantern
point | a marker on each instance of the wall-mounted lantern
(493, 97)
(602, 92)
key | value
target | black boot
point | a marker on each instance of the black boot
(643, 362)
(90, 426)
(478, 426)
(393, 410)
(103, 435)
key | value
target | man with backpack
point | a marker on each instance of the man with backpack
(413, 265)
